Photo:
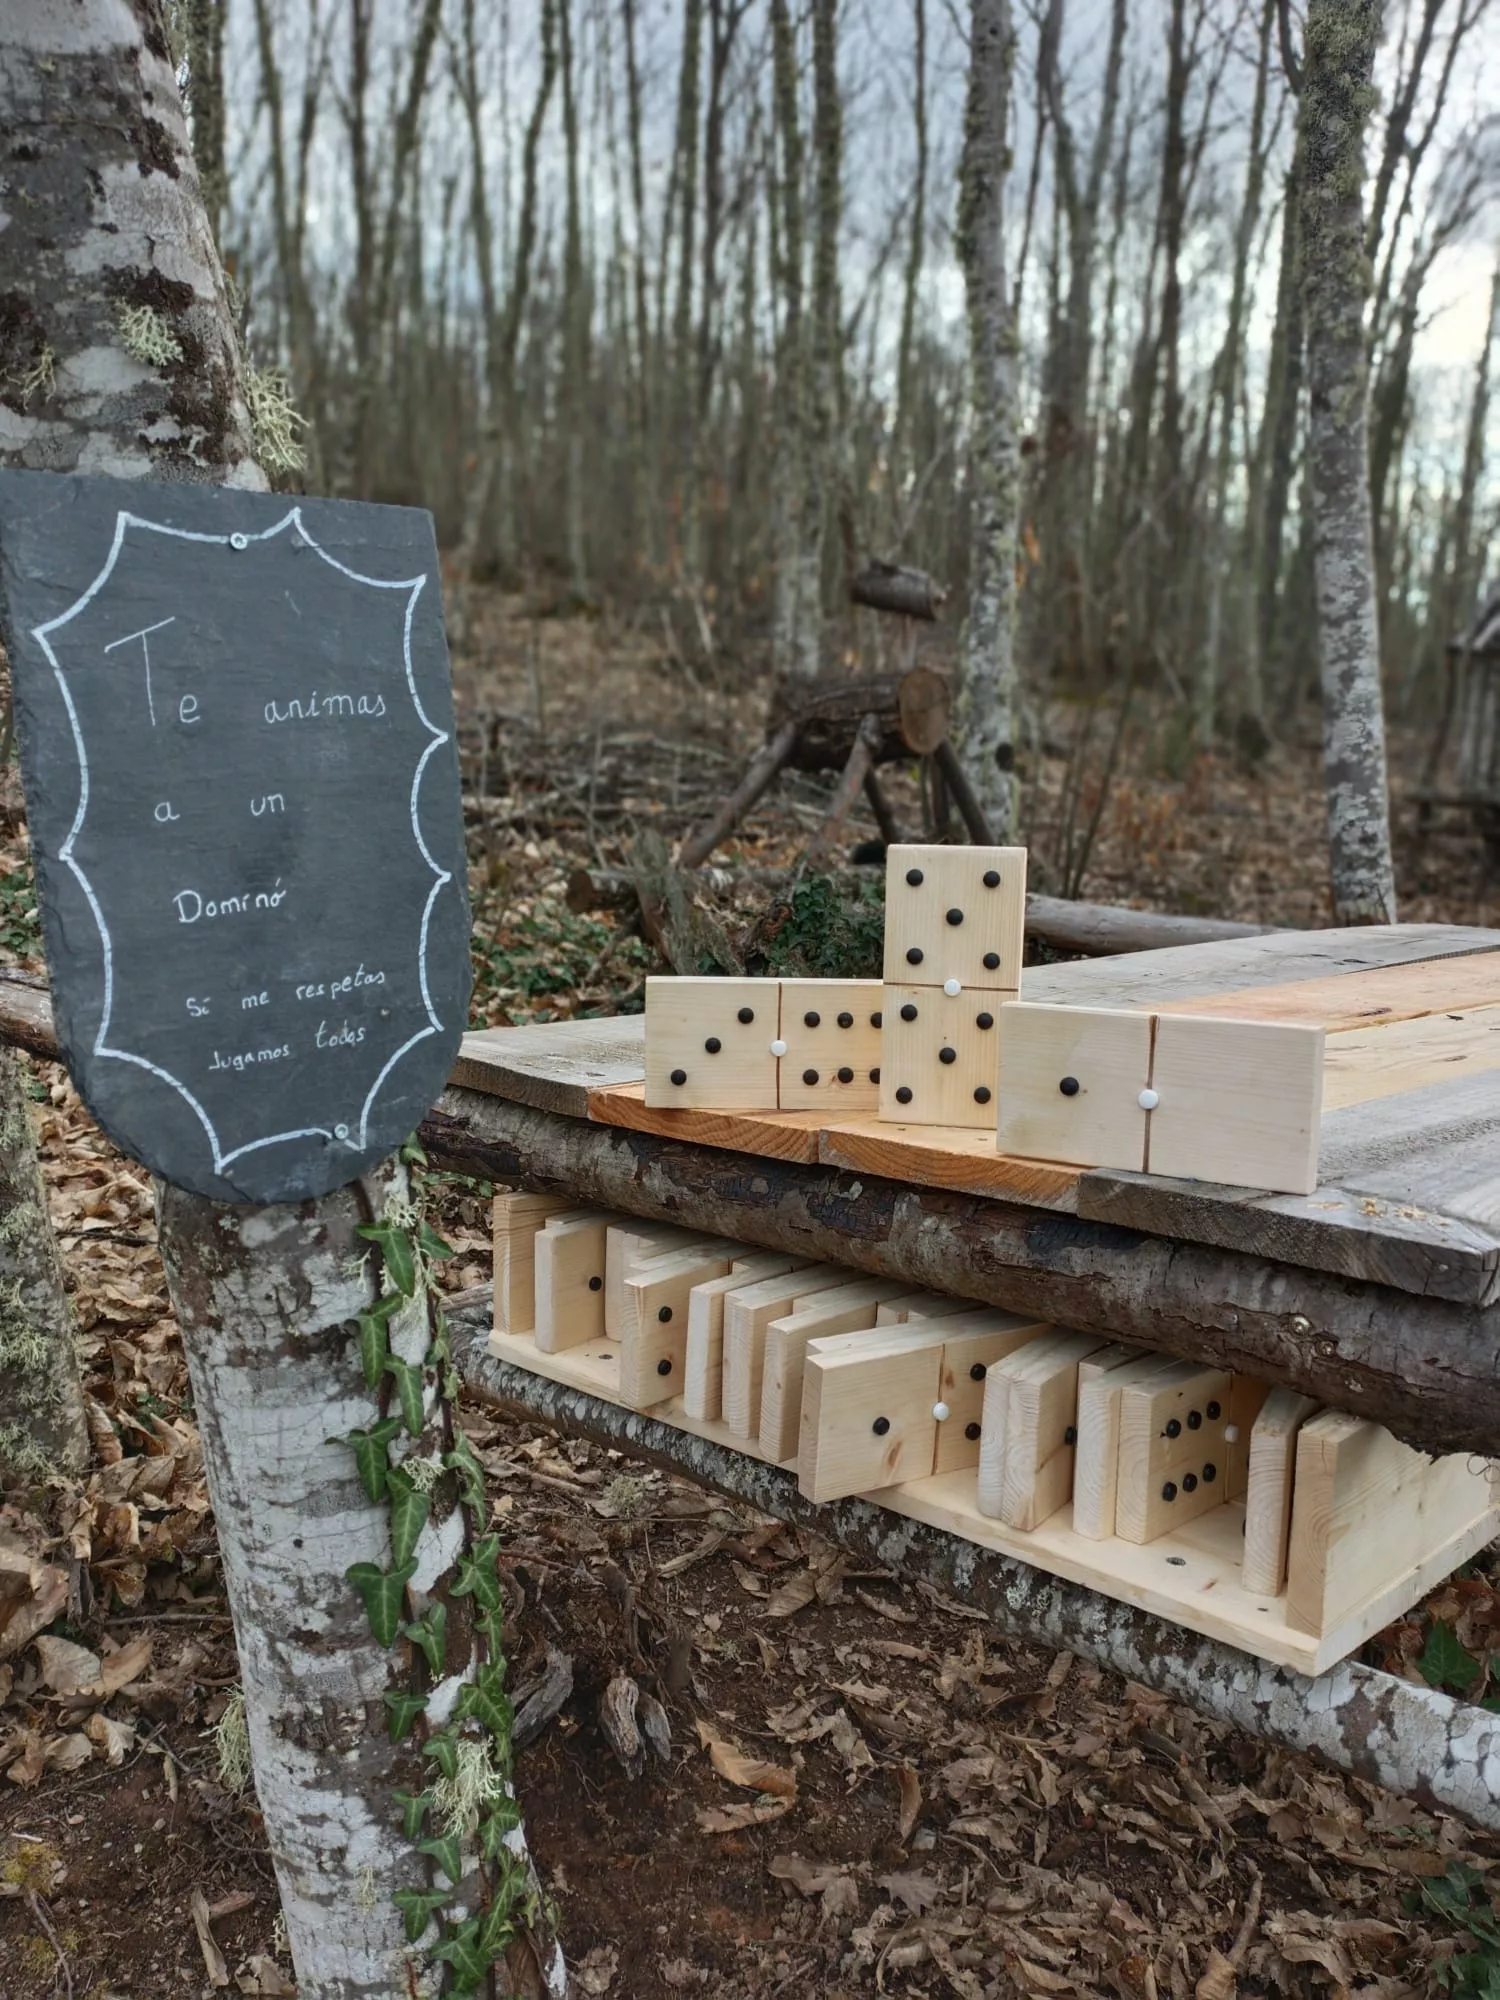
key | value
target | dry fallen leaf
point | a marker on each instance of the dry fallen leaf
(67, 1753)
(115, 1739)
(32, 1594)
(597, 1972)
(917, 1892)
(793, 1595)
(754, 1773)
(1219, 1980)
(66, 1668)
(734, 1819)
(911, 1800)
(213, 1958)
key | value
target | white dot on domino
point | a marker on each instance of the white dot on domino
(778, 1049)
(1148, 1100)
(941, 1412)
(952, 987)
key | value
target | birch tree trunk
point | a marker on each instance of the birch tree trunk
(42, 1425)
(985, 708)
(117, 293)
(797, 511)
(1337, 97)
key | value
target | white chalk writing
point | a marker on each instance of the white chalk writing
(191, 906)
(317, 705)
(335, 989)
(343, 1037)
(248, 1058)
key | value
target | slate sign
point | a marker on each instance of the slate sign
(237, 746)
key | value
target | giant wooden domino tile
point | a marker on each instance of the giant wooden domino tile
(941, 1060)
(955, 914)
(831, 1036)
(1233, 1101)
(712, 1044)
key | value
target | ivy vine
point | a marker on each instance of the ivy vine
(469, 1798)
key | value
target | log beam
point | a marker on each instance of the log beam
(1411, 1739)
(1428, 1369)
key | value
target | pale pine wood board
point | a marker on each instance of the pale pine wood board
(970, 1350)
(1040, 1434)
(553, 1065)
(832, 1031)
(774, 1135)
(1106, 1051)
(703, 1369)
(840, 1451)
(773, 1391)
(920, 1305)
(570, 1259)
(1096, 1460)
(516, 1220)
(1268, 1494)
(1386, 1061)
(1236, 1101)
(1368, 1513)
(1369, 997)
(946, 1156)
(1247, 1396)
(994, 1439)
(694, 1030)
(631, 1241)
(653, 1345)
(1150, 1459)
(940, 1062)
(992, 916)
(747, 1314)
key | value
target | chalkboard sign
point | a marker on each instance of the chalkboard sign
(237, 747)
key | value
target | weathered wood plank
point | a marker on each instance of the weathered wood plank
(554, 1065)
(776, 1135)
(1392, 1058)
(948, 1156)
(1389, 993)
(1427, 1368)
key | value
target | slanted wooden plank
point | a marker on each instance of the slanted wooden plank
(769, 1398)
(867, 1417)
(972, 1344)
(570, 1259)
(516, 1220)
(1268, 1495)
(1365, 998)
(1070, 1083)
(1247, 1396)
(1182, 972)
(1096, 1460)
(1041, 1431)
(703, 1369)
(632, 1241)
(553, 1065)
(1385, 1061)
(653, 1342)
(995, 1433)
(747, 1314)
(1173, 1455)
(922, 1306)
(945, 1156)
(1237, 1099)
(1374, 1523)
(773, 1135)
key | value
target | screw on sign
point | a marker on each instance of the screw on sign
(237, 744)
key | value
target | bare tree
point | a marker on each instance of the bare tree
(987, 666)
(1338, 67)
(111, 260)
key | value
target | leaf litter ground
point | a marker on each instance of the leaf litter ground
(862, 1791)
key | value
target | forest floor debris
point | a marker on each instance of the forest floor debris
(861, 1792)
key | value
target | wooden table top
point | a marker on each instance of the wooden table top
(1409, 1192)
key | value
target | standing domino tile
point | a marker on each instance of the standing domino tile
(941, 1059)
(955, 913)
(831, 1036)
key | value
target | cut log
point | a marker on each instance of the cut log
(911, 709)
(910, 593)
(1425, 1369)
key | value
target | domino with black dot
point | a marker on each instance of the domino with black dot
(955, 916)
(832, 1033)
(940, 1062)
(713, 1044)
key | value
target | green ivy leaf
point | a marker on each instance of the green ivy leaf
(408, 1382)
(397, 1253)
(374, 1346)
(491, 1628)
(460, 1949)
(430, 1633)
(409, 1510)
(413, 1153)
(371, 1455)
(404, 1708)
(474, 1575)
(463, 1461)
(503, 1818)
(442, 1747)
(383, 1591)
(1446, 1662)
(484, 1700)
(414, 1808)
(447, 1851)
(419, 1907)
(432, 1245)
(496, 1924)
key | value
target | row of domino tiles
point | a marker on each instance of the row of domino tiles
(868, 1384)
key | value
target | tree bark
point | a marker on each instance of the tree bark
(797, 507)
(106, 213)
(1337, 94)
(985, 708)
(42, 1425)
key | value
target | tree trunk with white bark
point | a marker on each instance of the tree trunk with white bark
(118, 354)
(1337, 96)
(985, 709)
